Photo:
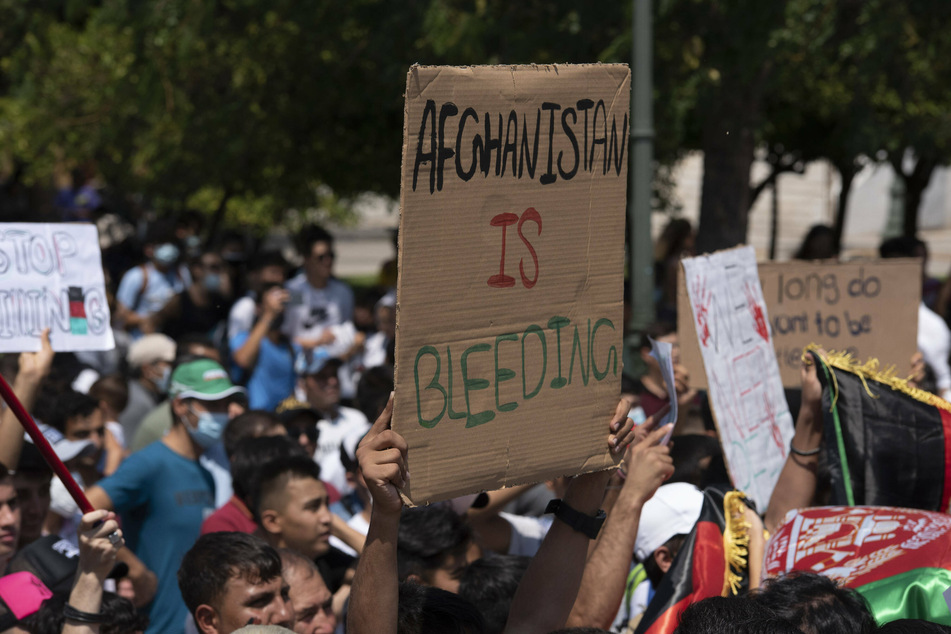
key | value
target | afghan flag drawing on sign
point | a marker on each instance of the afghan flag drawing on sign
(77, 311)
(711, 563)
(886, 443)
(898, 559)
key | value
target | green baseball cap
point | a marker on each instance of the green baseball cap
(203, 379)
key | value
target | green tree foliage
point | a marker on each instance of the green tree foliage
(253, 100)
(251, 107)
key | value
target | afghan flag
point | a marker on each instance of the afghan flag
(886, 443)
(898, 559)
(711, 563)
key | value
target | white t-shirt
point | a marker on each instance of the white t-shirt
(63, 504)
(358, 524)
(347, 428)
(319, 307)
(527, 533)
(934, 342)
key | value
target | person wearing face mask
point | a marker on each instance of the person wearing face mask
(144, 290)
(150, 364)
(163, 492)
(201, 307)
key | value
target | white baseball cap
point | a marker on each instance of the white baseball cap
(673, 510)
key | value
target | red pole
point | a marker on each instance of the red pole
(44, 446)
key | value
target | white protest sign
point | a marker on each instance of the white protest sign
(51, 277)
(746, 393)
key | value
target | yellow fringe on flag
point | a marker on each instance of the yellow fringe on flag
(736, 541)
(871, 370)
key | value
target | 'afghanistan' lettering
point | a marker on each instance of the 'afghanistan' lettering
(501, 145)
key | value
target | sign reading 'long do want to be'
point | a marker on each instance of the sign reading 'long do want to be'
(51, 277)
(508, 357)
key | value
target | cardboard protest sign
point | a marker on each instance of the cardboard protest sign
(867, 308)
(511, 263)
(51, 277)
(746, 395)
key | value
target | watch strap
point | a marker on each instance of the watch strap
(587, 525)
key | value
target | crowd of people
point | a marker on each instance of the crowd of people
(237, 448)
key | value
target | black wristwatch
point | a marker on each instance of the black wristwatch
(584, 524)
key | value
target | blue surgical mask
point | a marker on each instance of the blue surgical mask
(164, 381)
(212, 282)
(209, 428)
(166, 254)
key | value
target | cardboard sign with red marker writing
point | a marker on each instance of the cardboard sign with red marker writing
(509, 311)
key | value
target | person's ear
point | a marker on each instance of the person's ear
(415, 578)
(271, 522)
(663, 557)
(179, 408)
(206, 619)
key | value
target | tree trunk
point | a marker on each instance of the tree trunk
(217, 218)
(915, 184)
(847, 174)
(774, 220)
(728, 146)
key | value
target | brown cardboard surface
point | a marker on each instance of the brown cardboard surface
(868, 308)
(520, 396)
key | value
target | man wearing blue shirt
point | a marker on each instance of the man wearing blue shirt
(163, 493)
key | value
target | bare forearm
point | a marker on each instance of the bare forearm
(247, 354)
(86, 596)
(347, 534)
(26, 388)
(605, 574)
(374, 594)
(796, 486)
(550, 585)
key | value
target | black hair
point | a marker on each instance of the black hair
(120, 616)
(490, 583)
(737, 615)
(250, 424)
(654, 573)
(913, 626)
(274, 476)
(429, 534)
(813, 603)
(113, 389)
(812, 246)
(580, 630)
(311, 235)
(69, 405)
(373, 390)
(265, 259)
(184, 341)
(429, 610)
(901, 247)
(161, 231)
(251, 454)
(655, 331)
(688, 452)
(217, 558)
(32, 463)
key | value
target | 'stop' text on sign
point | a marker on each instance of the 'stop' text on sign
(511, 273)
(51, 277)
